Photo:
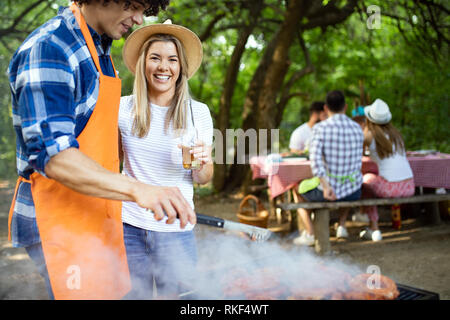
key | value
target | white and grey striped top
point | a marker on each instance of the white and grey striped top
(156, 159)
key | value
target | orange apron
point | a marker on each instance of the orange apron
(82, 236)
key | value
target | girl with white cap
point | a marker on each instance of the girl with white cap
(387, 149)
(152, 121)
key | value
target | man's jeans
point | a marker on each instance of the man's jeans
(168, 258)
(37, 255)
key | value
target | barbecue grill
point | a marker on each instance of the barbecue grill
(410, 293)
(406, 293)
(215, 292)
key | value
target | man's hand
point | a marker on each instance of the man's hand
(165, 201)
(328, 192)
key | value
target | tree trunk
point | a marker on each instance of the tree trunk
(261, 110)
(223, 117)
(260, 103)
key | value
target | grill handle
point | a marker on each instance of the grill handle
(210, 221)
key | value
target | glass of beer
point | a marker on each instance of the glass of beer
(188, 143)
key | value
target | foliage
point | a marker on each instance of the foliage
(405, 62)
(415, 88)
(18, 19)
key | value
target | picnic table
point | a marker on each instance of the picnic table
(431, 171)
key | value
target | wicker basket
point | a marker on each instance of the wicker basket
(251, 211)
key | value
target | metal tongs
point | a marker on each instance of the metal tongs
(255, 233)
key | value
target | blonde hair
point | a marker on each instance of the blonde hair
(177, 110)
(386, 137)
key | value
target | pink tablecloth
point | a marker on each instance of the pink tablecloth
(431, 171)
(281, 176)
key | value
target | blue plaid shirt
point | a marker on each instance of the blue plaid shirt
(54, 89)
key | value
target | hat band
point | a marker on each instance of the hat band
(386, 116)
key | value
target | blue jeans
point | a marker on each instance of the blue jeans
(316, 195)
(168, 258)
(37, 255)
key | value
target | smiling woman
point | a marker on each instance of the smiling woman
(163, 57)
(161, 75)
(162, 71)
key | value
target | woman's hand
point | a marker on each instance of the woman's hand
(202, 153)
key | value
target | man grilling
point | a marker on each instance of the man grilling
(65, 98)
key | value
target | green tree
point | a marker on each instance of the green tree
(265, 61)
(18, 19)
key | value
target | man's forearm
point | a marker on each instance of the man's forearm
(324, 182)
(78, 172)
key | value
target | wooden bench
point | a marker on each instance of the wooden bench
(322, 212)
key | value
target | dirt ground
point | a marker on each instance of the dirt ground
(417, 255)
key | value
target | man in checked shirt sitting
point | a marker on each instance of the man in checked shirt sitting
(336, 150)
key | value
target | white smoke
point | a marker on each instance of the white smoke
(223, 255)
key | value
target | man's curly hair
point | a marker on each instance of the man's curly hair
(153, 6)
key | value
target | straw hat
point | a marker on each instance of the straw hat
(378, 112)
(191, 44)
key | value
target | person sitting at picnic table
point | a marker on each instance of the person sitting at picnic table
(299, 144)
(153, 122)
(358, 116)
(301, 136)
(387, 149)
(336, 150)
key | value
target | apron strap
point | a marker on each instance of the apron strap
(87, 35)
(114, 67)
